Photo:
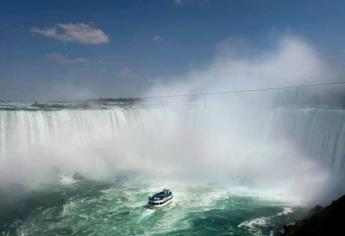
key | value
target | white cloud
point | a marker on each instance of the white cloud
(156, 38)
(64, 59)
(74, 32)
(182, 2)
(126, 73)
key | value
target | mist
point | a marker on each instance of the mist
(223, 139)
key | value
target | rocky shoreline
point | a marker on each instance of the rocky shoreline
(322, 221)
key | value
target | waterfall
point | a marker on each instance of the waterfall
(215, 145)
(22, 129)
(320, 132)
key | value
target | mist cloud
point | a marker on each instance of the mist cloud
(287, 62)
(222, 142)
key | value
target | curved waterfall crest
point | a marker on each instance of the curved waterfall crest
(24, 129)
(320, 132)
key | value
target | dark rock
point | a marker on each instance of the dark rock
(324, 221)
(316, 209)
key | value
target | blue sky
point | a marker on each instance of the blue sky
(118, 48)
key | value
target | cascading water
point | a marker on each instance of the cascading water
(27, 129)
(320, 132)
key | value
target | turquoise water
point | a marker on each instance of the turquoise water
(117, 207)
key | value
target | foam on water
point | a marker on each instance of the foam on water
(66, 179)
(285, 211)
(256, 223)
(89, 207)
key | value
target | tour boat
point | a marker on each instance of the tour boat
(161, 199)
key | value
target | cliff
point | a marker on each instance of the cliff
(327, 221)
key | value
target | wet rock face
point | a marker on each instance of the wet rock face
(324, 221)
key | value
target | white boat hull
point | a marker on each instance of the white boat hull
(161, 205)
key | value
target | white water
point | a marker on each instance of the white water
(27, 129)
(319, 132)
(186, 144)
